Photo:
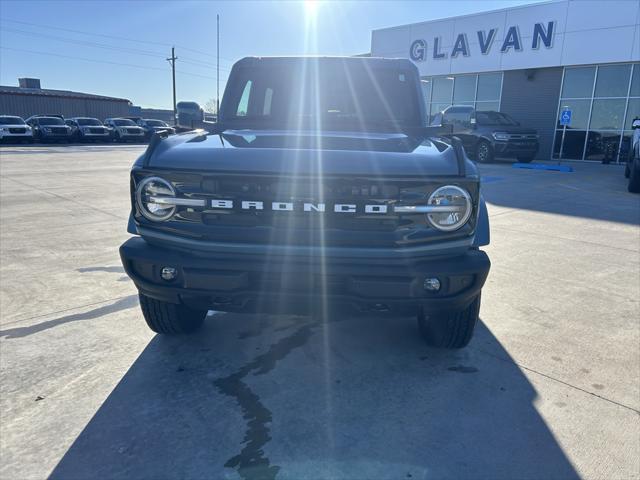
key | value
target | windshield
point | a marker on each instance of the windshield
(494, 118)
(11, 121)
(155, 123)
(49, 121)
(124, 123)
(327, 95)
(88, 121)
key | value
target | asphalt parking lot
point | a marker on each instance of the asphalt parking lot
(548, 388)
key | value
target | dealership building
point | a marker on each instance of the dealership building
(533, 62)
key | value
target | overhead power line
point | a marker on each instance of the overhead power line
(103, 61)
(94, 34)
(85, 42)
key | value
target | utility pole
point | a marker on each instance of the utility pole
(218, 66)
(172, 61)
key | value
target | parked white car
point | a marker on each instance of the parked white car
(13, 129)
(125, 130)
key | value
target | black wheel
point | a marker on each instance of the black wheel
(634, 179)
(525, 159)
(449, 329)
(169, 318)
(484, 152)
(627, 171)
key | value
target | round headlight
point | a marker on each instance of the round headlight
(454, 208)
(149, 195)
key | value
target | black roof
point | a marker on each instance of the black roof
(372, 61)
(45, 92)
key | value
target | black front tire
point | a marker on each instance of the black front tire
(634, 179)
(484, 152)
(449, 329)
(168, 318)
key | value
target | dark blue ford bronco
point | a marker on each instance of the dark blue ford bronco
(319, 189)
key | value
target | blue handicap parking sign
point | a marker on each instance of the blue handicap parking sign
(565, 117)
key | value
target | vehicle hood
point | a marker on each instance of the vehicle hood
(13, 125)
(334, 153)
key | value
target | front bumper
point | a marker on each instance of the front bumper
(516, 149)
(95, 135)
(239, 283)
(56, 136)
(16, 136)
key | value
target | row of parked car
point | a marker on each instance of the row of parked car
(56, 128)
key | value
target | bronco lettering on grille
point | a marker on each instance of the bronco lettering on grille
(306, 207)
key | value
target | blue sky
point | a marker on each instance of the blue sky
(136, 37)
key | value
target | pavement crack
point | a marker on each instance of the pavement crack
(251, 462)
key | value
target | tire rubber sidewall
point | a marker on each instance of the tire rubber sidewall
(450, 329)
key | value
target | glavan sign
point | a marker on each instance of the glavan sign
(542, 36)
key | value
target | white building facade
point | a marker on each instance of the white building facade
(532, 62)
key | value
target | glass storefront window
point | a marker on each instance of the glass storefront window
(573, 144)
(485, 106)
(578, 82)
(464, 89)
(438, 107)
(613, 81)
(598, 114)
(607, 114)
(442, 89)
(635, 82)
(602, 145)
(489, 86)
(426, 89)
(481, 91)
(579, 113)
(633, 111)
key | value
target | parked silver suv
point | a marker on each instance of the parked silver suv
(13, 129)
(124, 130)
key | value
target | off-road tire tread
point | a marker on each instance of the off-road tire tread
(456, 328)
(169, 318)
(634, 180)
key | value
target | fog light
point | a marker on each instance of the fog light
(431, 284)
(168, 273)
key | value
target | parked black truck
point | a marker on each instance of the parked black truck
(318, 189)
(487, 135)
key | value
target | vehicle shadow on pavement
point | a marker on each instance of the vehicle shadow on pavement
(123, 303)
(287, 397)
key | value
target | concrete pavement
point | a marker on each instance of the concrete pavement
(548, 388)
